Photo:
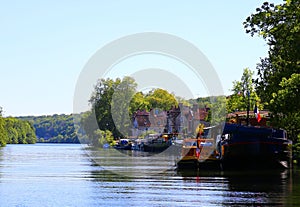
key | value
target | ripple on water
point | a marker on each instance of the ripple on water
(63, 175)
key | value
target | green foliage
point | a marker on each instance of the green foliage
(285, 98)
(101, 137)
(3, 133)
(278, 74)
(85, 125)
(243, 90)
(101, 101)
(279, 25)
(156, 98)
(120, 105)
(202, 102)
(216, 106)
(137, 102)
(14, 131)
(286, 103)
(115, 101)
(161, 99)
(53, 129)
(19, 132)
(217, 112)
(183, 101)
(296, 149)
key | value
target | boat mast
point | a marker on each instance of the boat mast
(248, 107)
(247, 99)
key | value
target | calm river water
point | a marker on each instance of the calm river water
(64, 175)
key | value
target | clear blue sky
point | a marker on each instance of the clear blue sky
(45, 44)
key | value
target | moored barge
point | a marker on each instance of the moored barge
(252, 146)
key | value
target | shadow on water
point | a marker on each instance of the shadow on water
(103, 175)
(266, 180)
(253, 187)
(132, 165)
(293, 198)
(146, 182)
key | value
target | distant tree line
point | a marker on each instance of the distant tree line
(53, 128)
(15, 131)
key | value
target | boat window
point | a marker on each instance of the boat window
(218, 139)
(189, 144)
(225, 136)
(206, 133)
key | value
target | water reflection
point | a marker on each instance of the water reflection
(132, 164)
(152, 184)
(256, 188)
(63, 175)
(293, 197)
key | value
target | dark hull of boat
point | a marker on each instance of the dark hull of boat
(267, 153)
(154, 147)
(128, 147)
(255, 147)
(196, 164)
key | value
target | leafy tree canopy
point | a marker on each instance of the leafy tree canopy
(15, 131)
(243, 92)
(160, 98)
(3, 133)
(279, 25)
(278, 74)
(115, 101)
(53, 128)
(286, 103)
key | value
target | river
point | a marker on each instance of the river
(66, 175)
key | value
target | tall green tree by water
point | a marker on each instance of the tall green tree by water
(279, 25)
(115, 101)
(15, 131)
(243, 93)
(101, 101)
(278, 73)
(3, 132)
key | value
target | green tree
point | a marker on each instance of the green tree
(15, 131)
(160, 98)
(100, 137)
(284, 101)
(217, 112)
(279, 25)
(55, 128)
(12, 130)
(137, 102)
(87, 125)
(243, 92)
(202, 102)
(114, 102)
(30, 137)
(101, 102)
(3, 133)
(18, 131)
(156, 98)
(120, 105)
